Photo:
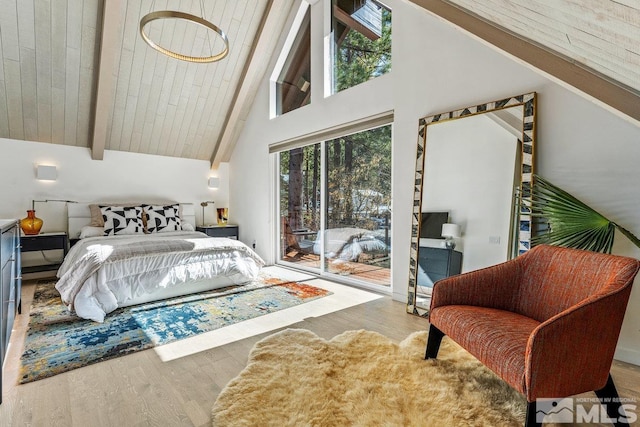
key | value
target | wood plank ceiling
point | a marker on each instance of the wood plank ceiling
(58, 86)
(603, 35)
(51, 58)
(48, 56)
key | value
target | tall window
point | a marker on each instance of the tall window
(335, 200)
(293, 85)
(362, 42)
(300, 192)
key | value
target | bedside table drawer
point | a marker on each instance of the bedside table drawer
(434, 265)
(229, 231)
(43, 243)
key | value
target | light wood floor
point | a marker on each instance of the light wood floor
(141, 390)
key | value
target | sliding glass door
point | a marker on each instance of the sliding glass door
(300, 200)
(335, 199)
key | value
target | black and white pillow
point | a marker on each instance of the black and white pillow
(161, 219)
(120, 220)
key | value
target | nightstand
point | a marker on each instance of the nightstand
(229, 230)
(437, 263)
(44, 242)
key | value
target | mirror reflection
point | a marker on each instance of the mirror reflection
(473, 178)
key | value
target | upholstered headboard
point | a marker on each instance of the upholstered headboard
(80, 216)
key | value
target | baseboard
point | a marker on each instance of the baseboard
(627, 355)
(402, 297)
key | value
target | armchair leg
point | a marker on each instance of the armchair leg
(530, 420)
(608, 395)
(433, 342)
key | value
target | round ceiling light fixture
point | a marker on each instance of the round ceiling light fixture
(171, 14)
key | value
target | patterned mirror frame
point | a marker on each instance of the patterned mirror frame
(528, 101)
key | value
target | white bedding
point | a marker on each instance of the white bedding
(100, 274)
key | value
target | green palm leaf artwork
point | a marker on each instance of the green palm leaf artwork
(570, 222)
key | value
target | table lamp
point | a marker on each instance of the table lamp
(450, 232)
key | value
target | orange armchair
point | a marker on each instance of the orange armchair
(546, 322)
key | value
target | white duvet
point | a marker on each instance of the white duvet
(100, 274)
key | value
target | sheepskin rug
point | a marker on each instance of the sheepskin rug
(362, 378)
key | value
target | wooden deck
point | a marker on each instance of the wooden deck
(368, 272)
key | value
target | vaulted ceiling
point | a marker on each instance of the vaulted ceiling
(604, 35)
(78, 73)
(592, 45)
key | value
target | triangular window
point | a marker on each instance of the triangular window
(361, 42)
(293, 82)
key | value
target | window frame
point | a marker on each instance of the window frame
(275, 150)
(331, 53)
(283, 58)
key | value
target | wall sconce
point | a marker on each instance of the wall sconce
(303, 84)
(46, 173)
(450, 232)
(214, 182)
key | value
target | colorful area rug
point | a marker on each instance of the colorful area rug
(362, 378)
(58, 341)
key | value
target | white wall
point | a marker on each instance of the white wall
(581, 147)
(120, 176)
(469, 167)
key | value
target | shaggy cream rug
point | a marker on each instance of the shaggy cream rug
(361, 378)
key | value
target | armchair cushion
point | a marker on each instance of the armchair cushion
(497, 338)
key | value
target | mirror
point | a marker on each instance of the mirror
(474, 168)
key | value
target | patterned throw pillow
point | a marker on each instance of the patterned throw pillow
(120, 220)
(161, 219)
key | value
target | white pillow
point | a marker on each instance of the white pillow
(161, 219)
(119, 220)
(187, 227)
(89, 231)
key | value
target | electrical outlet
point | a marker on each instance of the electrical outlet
(254, 244)
(494, 240)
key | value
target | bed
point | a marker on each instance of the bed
(102, 273)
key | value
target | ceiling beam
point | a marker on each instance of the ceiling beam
(113, 17)
(347, 20)
(611, 94)
(267, 36)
